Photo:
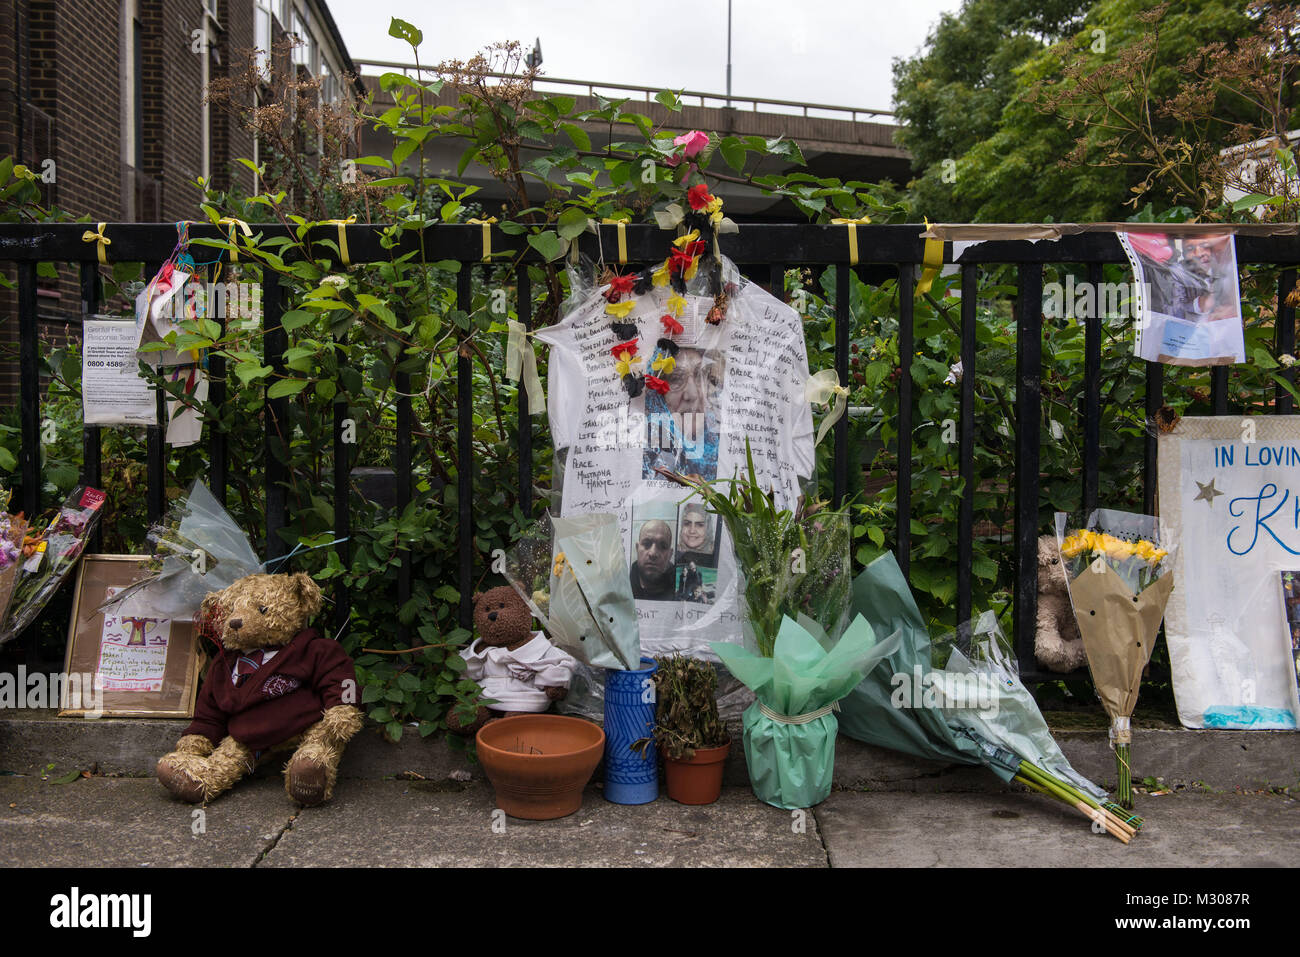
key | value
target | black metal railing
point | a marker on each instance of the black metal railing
(773, 248)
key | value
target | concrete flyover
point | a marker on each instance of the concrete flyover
(849, 143)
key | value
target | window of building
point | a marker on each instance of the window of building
(262, 34)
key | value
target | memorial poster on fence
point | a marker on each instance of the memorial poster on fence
(1188, 304)
(112, 390)
(739, 379)
(1230, 485)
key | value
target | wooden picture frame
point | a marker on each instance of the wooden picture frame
(144, 683)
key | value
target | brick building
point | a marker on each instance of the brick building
(105, 98)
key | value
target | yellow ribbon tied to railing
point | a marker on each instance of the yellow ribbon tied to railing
(931, 264)
(853, 235)
(102, 242)
(234, 223)
(622, 237)
(342, 225)
(487, 235)
(824, 388)
(521, 361)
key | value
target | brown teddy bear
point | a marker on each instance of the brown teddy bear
(274, 684)
(1058, 645)
(516, 667)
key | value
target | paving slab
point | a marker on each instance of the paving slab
(1010, 829)
(133, 822)
(422, 824)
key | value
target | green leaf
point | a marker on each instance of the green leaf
(572, 223)
(7, 461)
(547, 244)
(734, 152)
(67, 778)
(295, 318)
(577, 135)
(405, 31)
(286, 387)
(446, 593)
(669, 100)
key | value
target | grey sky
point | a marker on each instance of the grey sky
(822, 51)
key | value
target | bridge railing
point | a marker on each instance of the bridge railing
(647, 93)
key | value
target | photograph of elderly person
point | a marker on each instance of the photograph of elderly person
(653, 574)
(683, 425)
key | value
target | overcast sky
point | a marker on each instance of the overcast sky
(818, 51)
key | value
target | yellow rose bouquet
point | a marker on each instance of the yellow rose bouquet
(1119, 568)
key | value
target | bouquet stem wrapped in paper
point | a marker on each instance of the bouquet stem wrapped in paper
(1119, 569)
(52, 558)
(789, 731)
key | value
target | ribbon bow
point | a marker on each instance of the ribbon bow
(342, 225)
(102, 242)
(853, 234)
(932, 262)
(823, 388)
(622, 237)
(487, 235)
(232, 222)
(521, 360)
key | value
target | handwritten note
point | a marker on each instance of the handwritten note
(133, 651)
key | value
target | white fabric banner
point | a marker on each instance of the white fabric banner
(1230, 492)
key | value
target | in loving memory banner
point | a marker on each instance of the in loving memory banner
(1230, 485)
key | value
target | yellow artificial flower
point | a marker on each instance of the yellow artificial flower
(676, 305)
(620, 309)
(682, 241)
(661, 275)
(558, 568)
(624, 366)
(664, 365)
(715, 206)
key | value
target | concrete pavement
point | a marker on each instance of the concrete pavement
(133, 822)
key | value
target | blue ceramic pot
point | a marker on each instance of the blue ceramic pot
(630, 778)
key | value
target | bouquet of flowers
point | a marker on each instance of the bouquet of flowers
(197, 548)
(794, 563)
(12, 528)
(48, 558)
(790, 728)
(1119, 569)
(572, 573)
(960, 699)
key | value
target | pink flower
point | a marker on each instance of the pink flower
(693, 143)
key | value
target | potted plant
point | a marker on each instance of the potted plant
(688, 732)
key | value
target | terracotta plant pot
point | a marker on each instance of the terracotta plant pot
(539, 763)
(699, 779)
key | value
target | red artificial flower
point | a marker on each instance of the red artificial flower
(679, 260)
(657, 384)
(671, 325)
(699, 197)
(619, 287)
(624, 350)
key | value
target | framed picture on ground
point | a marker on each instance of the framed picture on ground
(125, 666)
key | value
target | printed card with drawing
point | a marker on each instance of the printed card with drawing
(133, 651)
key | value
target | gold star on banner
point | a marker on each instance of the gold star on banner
(1208, 491)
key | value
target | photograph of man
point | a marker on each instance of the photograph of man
(695, 535)
(692, 586)
(653, 573)
(1207, 261)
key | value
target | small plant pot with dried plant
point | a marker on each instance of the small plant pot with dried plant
(688, 732)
